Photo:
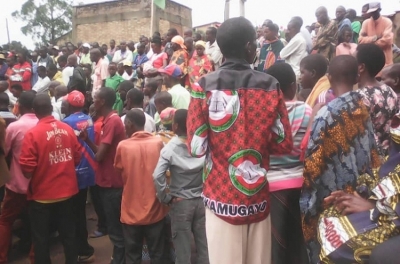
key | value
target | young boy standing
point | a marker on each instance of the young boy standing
(187, 208)
(150, 90)
(114, 79)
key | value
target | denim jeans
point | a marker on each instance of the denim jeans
(187, 219)
(40, 216)
(155, 240)
(111, 199)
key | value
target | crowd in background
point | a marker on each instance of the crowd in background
(257, 147)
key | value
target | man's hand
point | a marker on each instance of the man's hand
(349, 203)
(84, 135)
(364, 34)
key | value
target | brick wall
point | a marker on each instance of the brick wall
(126, 20)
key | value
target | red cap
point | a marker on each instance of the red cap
(75, 98)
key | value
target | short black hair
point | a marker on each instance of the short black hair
(297, 21)
(41, 68)
(156, 34)
(108, 95)
(372, 57)
(173, 31)
(126, 86)
(136, 96)
(285, 75)
(233, 35)
(156, 40)
(17, 87)
(342, 32)
(163, 97)
(317, 63)
(152, 84)
(180, 118)
(213, 30)
(26, 99)
(344, 69)
(52, 67)
(4, 99)
(42, 105)
(62, 58)
(273, 27)
(136, 117)
(199, 36)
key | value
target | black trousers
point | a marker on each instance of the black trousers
(155, 240)
(99, 209)
(63, 214)
(84, 249)
(288, 245)
(387, 252)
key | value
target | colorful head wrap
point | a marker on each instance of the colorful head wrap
(167, 116)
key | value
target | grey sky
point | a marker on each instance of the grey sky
(204, 11)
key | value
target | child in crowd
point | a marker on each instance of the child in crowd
(114, 80)
(199, 64)
(313, 76)
(120, 69)
(187, 208)
(391, 77)
(165, 130)
(162, 101)
(345, 46)
(285, 176)
(150, 90)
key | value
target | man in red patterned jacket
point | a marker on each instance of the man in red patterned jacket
(237, 118)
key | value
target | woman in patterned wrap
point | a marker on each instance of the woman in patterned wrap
(355, 223)
(341, 148)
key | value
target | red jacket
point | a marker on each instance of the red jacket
(23, 74)
(50, 151)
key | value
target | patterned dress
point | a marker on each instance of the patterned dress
(382, 104)
(341, 148)
(199, 66)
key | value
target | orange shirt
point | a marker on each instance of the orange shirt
(382, 27)
(137, 158)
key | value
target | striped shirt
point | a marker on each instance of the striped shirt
(286, 171)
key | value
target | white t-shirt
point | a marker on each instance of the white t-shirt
(42, 85)
(66, 74)
(149, 126)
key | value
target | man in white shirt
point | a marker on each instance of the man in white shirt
(59, 92)
(122, 54)
(129, 73)
(296, 49)
(134, 100)
(42, 84)
(67, 72)
(212, 49)
(306, 35)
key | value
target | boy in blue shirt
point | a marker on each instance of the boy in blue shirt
(73, 105)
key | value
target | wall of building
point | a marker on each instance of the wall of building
(126, 20)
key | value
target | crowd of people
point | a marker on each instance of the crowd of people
(258, 148)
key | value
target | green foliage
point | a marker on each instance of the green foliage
(14, 46)
(45, 19)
